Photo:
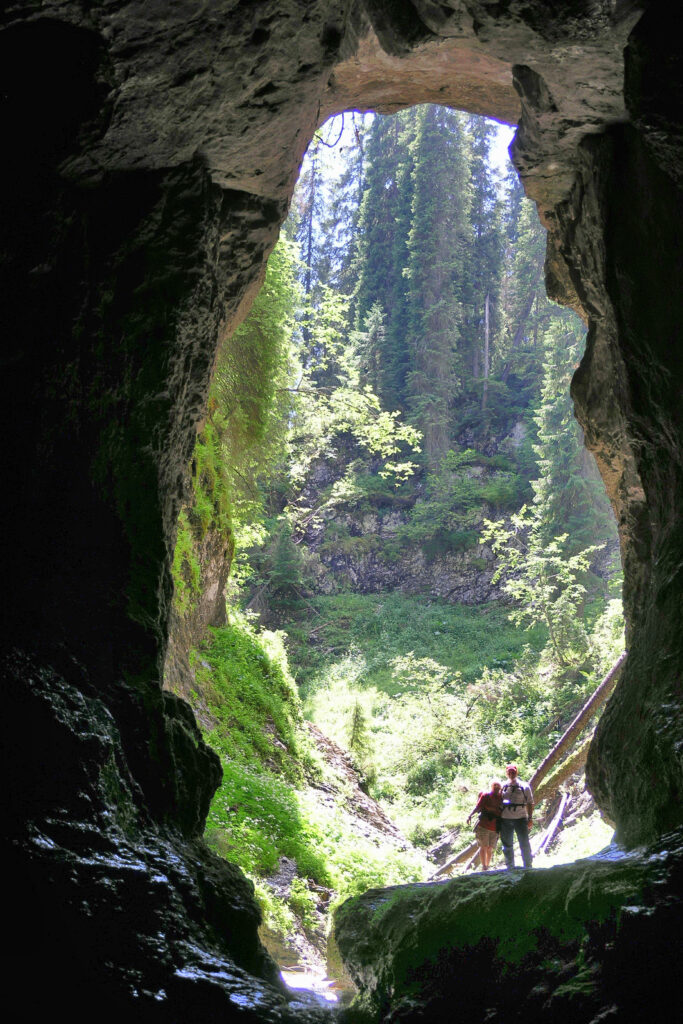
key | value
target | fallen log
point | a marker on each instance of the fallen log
(459, 858)
(579, 723)
(546, 838)
(570, 766)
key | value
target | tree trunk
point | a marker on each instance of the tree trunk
(519, 333)
(594, 702)
(573, 764)
(484, 396)
(547, 837)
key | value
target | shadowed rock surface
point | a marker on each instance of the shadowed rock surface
(585, 941)
(149, 154)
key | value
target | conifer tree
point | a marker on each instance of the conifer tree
(569, 496)
(527, 311)
(308, 206)
(481, 280)
(437, 247)
(377, 221)
(340, 231)
(381, 255)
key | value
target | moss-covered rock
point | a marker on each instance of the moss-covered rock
(553, 944)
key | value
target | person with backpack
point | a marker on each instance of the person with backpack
(516, 817)
(489, 807)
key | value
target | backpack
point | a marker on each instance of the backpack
(512, 791)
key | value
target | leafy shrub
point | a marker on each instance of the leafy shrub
(422, 778)
(445, 541)
(425, 835)
(302, 902)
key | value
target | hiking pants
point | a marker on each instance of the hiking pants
(508, 828)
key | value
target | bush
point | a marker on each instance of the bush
(302, 901)
(422, 778)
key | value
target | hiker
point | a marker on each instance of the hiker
(516, 817)
(489, 807)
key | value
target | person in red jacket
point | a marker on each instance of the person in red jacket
(489, 808)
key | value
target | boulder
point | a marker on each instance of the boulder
(578, 943)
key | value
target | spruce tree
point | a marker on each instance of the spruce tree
(382, 253)
(569, 496)
(340, 231)
(481, 281)
(437, 247)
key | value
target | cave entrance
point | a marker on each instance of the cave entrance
(115, 289)
(415, 510)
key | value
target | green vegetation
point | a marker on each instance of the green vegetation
(186, 568)
(447, 518)
(398, 397)
(244, 434)
(267, 806)
(385, 626)
(448, 695)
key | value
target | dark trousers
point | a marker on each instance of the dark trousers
(508, 828)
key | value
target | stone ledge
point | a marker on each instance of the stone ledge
(556, 944)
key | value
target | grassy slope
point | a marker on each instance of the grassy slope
(384, 626)
(446, 695)
(266, 806)
(377, 653)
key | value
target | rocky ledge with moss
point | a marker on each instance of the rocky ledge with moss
(587, 941)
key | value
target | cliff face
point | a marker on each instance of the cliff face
(150, 150)
(204, 606)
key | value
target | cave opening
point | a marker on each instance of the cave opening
(382, 557)
(149, 158)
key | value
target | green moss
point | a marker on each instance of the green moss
(400, 939)
(211, 482)
(118, 796)
(186, 569)
(450, 541)
(351, 547)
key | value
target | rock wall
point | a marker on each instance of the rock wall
(149, 154)
(188, 625)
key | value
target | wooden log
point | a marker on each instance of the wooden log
(459, 858)
(579, 723)
(570, 766)
(547, 837)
